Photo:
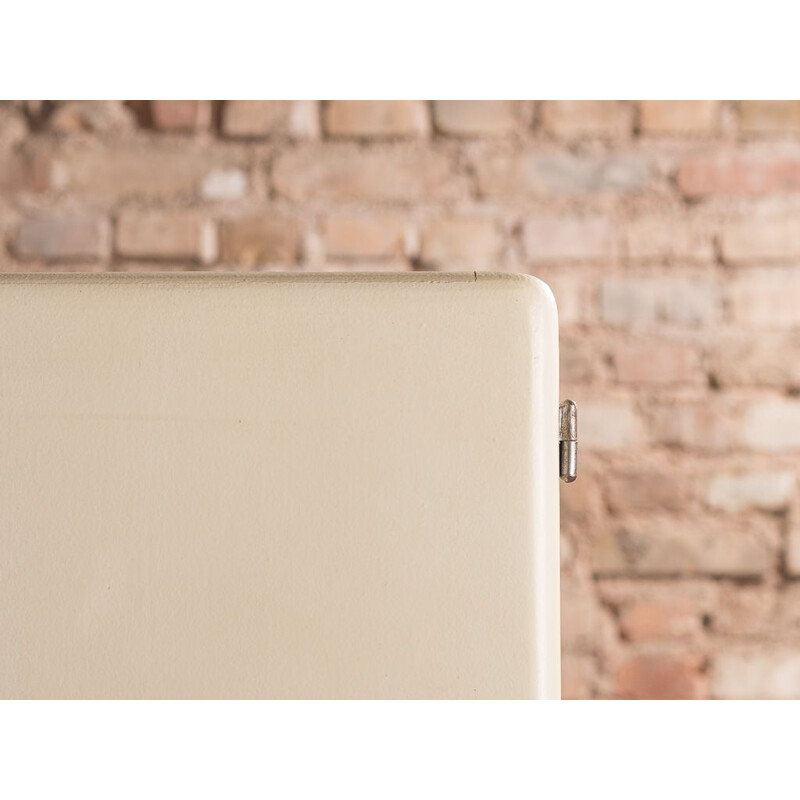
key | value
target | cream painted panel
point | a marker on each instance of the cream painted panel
(223, 486)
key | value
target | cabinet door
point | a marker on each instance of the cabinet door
(221, 486)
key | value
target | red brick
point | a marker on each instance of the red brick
(255, 241)
(766, 297)
(746, 611)
(648, 621)
(660, 676)
(792, 556)
(129, 170)
(574, 291)
(664, 610)
(570, 119)
(582, 505)
(759, 239)
(63, 236)
(26, 168)
(461, 243)
(581, 359)
(559, 238)
(656, 363)
(179, 116)
(685, 546)
(475, 117)
(352, 235)
(391, 173)
(534, 173)
(763, 673)
(376, 118)
(645, 301)
(260, 119)
(787, 611)
(695, 425)
(678, 117)
(609, 425)
(747, 172)
(660, 238)
(769, 359)
(578, 676)
(13, 129)
(769, 116)
(166, 235)
(581, 614)
(98, 116)
(644, 489)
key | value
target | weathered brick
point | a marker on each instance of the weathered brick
(574, 291)
(766, 297)
(259, 240)
(678, 117)
(67, 235)
(755, 674)
(658, 238)
(608, 425)
(769, 116)
(580, 359)
(98, 116)
(660, 676)
(475, 117)
(771, 425)
(259, 119)
(129, 170)
(581, 614)
(466, 243)
(645, 301)
(224, 184)
(687, 546)
(180, 116)
(540, 174)
(757, 239)
(570, 119)
(25, 168)
(13, 129)
(766, 490)
(352, 235)
(578, 676)
(649, 620)
(559, 238)
(694, 425)
(391, 173)
(663, 610)
(792, 555)
(702, 594)
(769, 359)
(657, 363)
(633, 491)
(584, 506)
(787, 610)
(745, 611)
(376, 118)
(747, 172)
(176, 235)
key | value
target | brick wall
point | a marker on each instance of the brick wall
(670, 233)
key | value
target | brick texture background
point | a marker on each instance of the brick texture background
(670, 234)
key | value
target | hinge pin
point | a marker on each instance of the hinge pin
(568, 441)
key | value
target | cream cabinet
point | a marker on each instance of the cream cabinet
(269, 486)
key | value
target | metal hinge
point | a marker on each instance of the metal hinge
(568, 441)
